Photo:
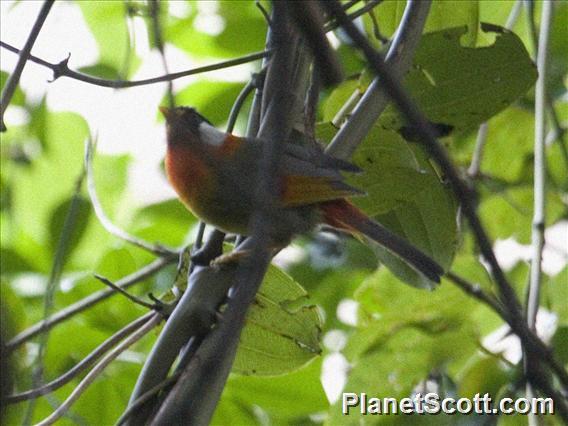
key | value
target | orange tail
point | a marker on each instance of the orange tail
(343, 215)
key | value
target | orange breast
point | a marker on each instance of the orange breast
(187, 175)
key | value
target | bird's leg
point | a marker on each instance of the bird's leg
(231, 258)
(212, 249)
(241, 253)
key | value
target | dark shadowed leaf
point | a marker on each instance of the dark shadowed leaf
(76, 211)
(461, 86)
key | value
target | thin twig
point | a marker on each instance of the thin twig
(330, 26)
(514, 14)
(104, 220)
(539, 167)
(61, 69)
(309, 20)
(147, 396)
(87, 302)
(539, 218)
(239, 102)
(533, 37)
(475, 166)
(99, 368)
(14, 78)
(82, 365)
(477, 292)
(157, 32)
(126, 294)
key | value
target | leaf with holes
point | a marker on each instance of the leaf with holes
(281, 334)
(462, 86)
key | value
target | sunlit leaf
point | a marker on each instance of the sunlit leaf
(220, 31)
(405, 194)
(509, 213)
(107, 22)
(18, 98)
(167, 222)
(279, 336)
(299, 393)
(213, 99)
(484, 375)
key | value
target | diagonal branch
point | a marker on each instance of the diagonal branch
(14, 79)
(104, 220)
(196, 394)
(376, 98)
(428, 137)
(99, 368)
(89, 301)
(82, 365)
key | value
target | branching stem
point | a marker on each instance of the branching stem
(61, 69)
(87, 302)
(14, 79)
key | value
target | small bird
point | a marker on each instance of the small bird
(215, 175)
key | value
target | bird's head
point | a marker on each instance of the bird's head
(185, 126)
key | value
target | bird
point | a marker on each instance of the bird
(215, 175)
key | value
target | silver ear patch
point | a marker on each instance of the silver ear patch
(211, 135)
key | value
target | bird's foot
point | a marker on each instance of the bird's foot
(230, 259)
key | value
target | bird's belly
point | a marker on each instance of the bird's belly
(227, 215)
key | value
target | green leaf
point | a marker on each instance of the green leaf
(453, 13)
(213, 99)
(11, 262)
(108, 24)
(509, 213)
(39, 189)
(387, 307)
(100, 70)
(242, 31)
(338, 98)
(293, 395)
(427, 219)
(463, 87)
(18, 98)
(245, 28)
(484, 375)
(557, 164)
(167, 222)
(80, 208)
(560, 344)
(443, 14)
(556, 294)
(392, 174)
(510, 140)
(278, 336)
(405, 194)
(394, 369)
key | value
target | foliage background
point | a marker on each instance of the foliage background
(380, 335)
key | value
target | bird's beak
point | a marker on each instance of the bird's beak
(167, 112)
